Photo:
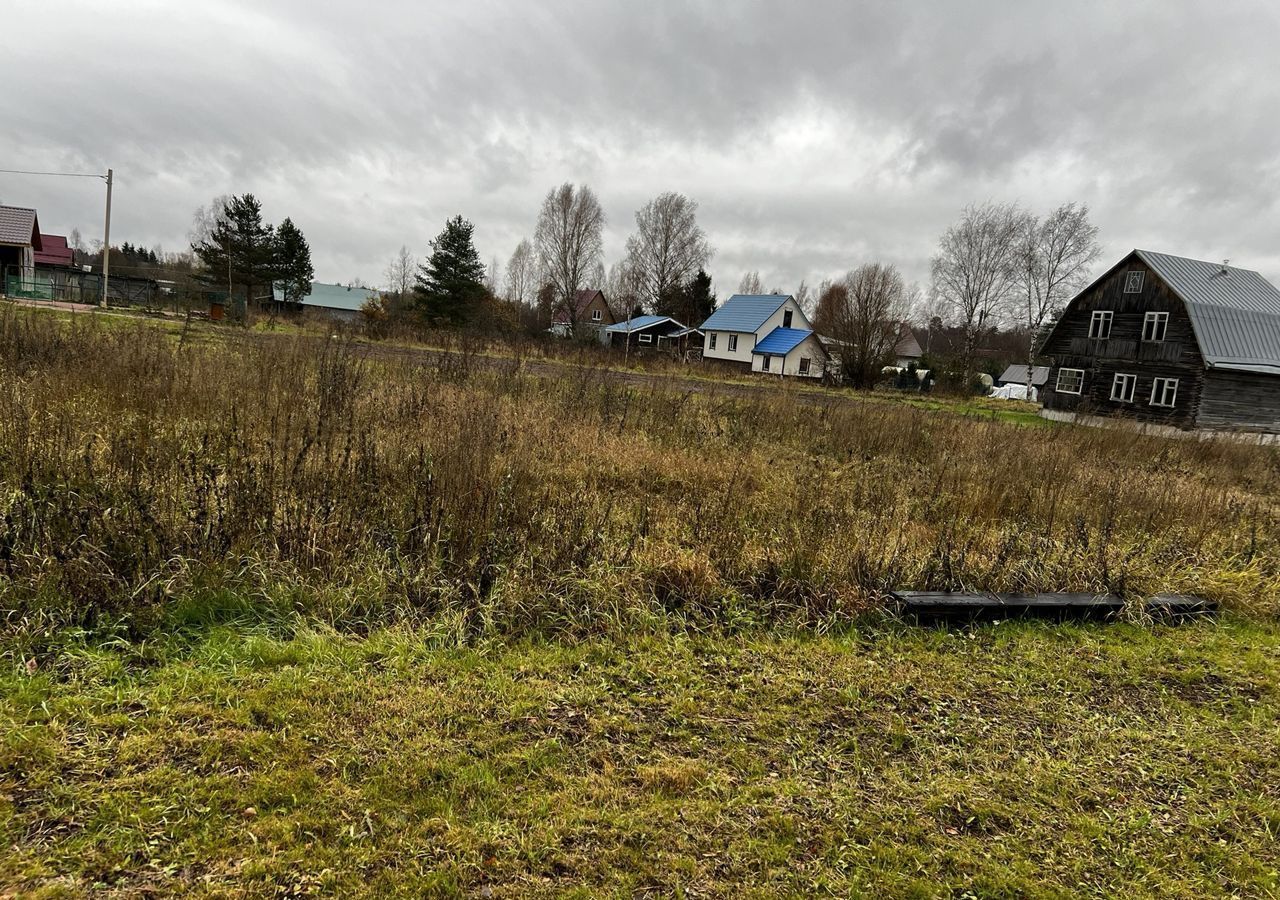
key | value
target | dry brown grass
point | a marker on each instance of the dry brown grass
(151, 480)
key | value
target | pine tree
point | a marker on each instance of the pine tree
(293, 262)
(450, 285)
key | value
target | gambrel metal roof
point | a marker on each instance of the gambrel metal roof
(1235, 313)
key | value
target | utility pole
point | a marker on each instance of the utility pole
(106, 244)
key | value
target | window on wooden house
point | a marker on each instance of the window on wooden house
(1122, 387)
(804, 365)
(733, 343)
(712, 341)
(596, 315)
(1070, 381)
(1164, 392)
(1154, 326)
(646, 339)
(1100, 324)
(1133, 282)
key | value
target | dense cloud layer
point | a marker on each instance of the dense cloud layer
(815, 135)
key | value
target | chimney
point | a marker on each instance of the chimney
(1225, 263)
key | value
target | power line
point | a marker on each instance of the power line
(59, 174)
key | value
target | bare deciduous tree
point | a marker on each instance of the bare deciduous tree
(751, 284)
(804, 297)
(1054, 257)
(400, 276)
(522, 274)
(622, 288)
(866, 313)
(569, 242)
(976, 269)
(667, 248)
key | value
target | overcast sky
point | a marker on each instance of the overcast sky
(814, 135)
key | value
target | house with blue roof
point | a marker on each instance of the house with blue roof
(766, 333)
(643, 333)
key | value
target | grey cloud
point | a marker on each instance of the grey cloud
(814, 135)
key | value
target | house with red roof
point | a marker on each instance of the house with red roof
(591, 316)
(54, 253)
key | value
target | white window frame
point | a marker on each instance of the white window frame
(1133, 281)
(1058, 386)
(596, 315)
(804, 365)
(1166, 390)
(712, 341)
(733, 343)
(1123, 387)
(645, 338)
(1100, 324)
(1152, 322)
(766, 362)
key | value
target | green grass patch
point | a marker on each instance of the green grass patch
(1008, 761)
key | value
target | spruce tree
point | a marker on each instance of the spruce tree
(450, 285)
(701, 301)
(239, 247)
(293, 263)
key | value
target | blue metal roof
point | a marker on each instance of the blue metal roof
(639, 323)
(745, 312)
(782, 341)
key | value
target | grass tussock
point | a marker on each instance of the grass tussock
(151, 478)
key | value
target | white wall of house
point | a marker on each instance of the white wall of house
(747, 341)
(798, 318)
(791, 364)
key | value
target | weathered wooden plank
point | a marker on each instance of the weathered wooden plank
(972, 606)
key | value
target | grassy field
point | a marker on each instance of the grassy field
(286, 616)
(1007, 762)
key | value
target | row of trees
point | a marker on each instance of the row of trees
(1001, 261)
(663, 270)
(236, 248)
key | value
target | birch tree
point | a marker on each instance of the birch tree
(1054, 256)
(522, 274)
(667, 249)
(751, 284)
(569, 242)
(400, 275)
(976, 269)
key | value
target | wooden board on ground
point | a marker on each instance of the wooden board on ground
(987, 606)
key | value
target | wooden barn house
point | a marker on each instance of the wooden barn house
(1169, 340)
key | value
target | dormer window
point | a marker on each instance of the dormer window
(1100, 325)
(1133, 282)
(786, 319)
(1154, 326)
